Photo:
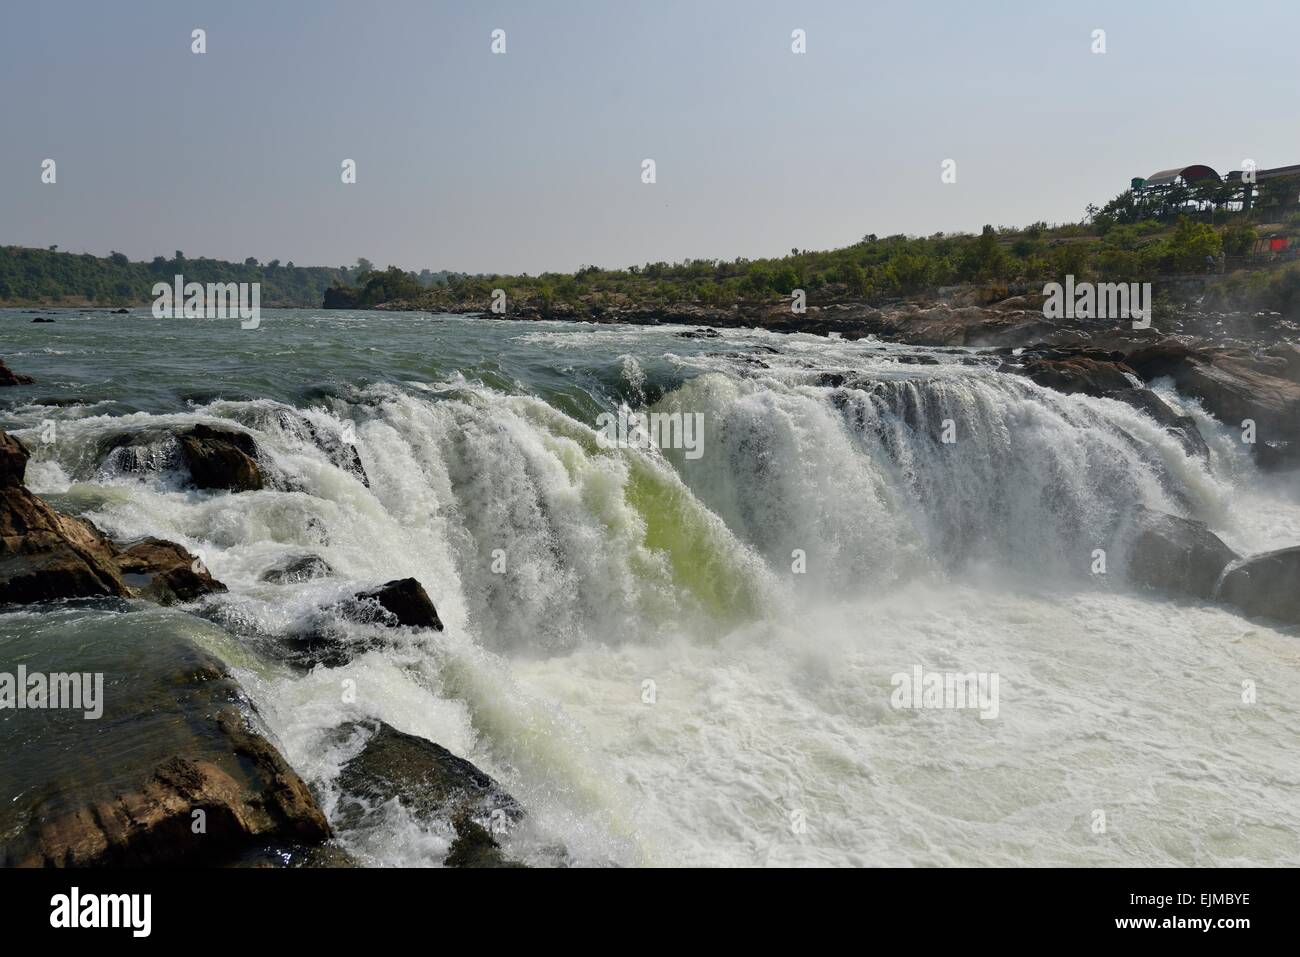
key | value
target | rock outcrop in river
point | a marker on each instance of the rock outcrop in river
(46, 555)
(176, 775)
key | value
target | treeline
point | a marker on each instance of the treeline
(46, 275)
(875, 268)
(30, 275)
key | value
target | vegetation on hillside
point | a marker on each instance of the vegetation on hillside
(1113, 245)
(874, 269)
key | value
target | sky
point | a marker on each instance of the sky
(532, 160)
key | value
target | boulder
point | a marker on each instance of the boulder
(221, 459)
(1233, 387)
(49, 556)
(46, 556)
(259, 801)
(1078, 374)
(8, 377)
(432, 784)
(165, 572)
(399, 603)
(1266, 585)
(1177, 556)
(297, 569)
(407, 602)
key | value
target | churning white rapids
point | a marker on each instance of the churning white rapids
(673, 660)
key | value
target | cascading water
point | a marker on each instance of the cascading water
(946, 515)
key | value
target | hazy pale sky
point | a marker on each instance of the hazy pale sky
(531, 160)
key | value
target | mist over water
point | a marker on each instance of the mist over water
(771, 687)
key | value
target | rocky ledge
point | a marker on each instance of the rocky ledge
(47, 556)
(173, 774)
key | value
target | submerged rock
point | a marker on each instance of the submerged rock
(221, 459)
(8, 377)
(341, 453)
(432, 784)
(1266, 585)
(1178, 556)
(165, 572)
(397, 604)
(475, 847)
(1181, 427)
(297, 569)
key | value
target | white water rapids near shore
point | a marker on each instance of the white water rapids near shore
(771, 689)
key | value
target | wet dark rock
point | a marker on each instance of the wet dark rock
(400, 603)
(1177, 556)
(8, 377)
(475, 847)
(1267, 586)
(342, 454)
(297, 569)
(13, 460)
(42, 319)
(407, 602)
(165, 572)
(221, 459)
(1077, 374)
(1181, 427)
(432, 784)
(705, 333)
(139, 453)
